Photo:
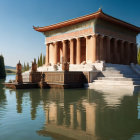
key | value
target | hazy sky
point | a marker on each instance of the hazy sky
(18, 40)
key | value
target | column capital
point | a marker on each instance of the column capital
(71, 39)
(108, 37)
(125, 42)
(47, 44)
(87, 36)
(101, 36)
(55, 43)
(122, 41)
(78, 38)
(129, 43)
(64, 41)
(116, 40)
(94, 35)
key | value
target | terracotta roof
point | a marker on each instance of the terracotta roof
(98, 14)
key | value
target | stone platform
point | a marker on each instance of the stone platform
(54, 79)
(21, 85)
(38, 85)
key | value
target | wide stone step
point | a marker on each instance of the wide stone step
(117, 82)
(119, 71)
(119, 75)
(117, 66)
(118, 78)
(112, 68)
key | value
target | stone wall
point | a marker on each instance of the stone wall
(78, 77)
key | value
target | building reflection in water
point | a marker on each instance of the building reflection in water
(35, 100)
(19, 98)
(84, 114)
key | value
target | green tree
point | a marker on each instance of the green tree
(43, 59)
(24, 67)
(2, 67)
(38, 62)
(34, 60)
(138, 57)
(28, 67)
(41, 62)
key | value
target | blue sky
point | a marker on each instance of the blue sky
(18, 40)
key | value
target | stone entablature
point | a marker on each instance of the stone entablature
(70, 35)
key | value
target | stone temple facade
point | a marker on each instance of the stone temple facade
(91, 38)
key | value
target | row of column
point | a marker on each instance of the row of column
(98, 47)
(115, 51)
(76, 117)
(72, 49)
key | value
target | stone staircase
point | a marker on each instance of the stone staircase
(116, 75)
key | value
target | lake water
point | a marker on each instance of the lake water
(71, 114)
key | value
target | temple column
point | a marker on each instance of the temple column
(98, 48)
(64, 51)
(126, 61)
(122, 52)
(78, 52)
(47, 54)
(128, 52)
(108, 49)
(55, 52)
(131, 53)
(87, 48)
(93, 48)
(71, 51)
(115, 52)
(135, 53)
(101, 48)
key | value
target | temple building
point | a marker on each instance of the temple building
(91, 38)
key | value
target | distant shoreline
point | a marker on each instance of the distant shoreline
(10, 71)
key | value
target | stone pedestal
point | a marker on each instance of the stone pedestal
(19, 73)
(34, 76)
(65, 66)
(34, 67)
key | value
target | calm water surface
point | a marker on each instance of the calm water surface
(73, 114)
